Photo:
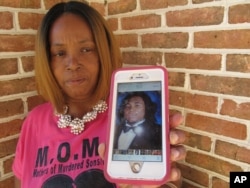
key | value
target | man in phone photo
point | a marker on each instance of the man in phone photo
(138, 127)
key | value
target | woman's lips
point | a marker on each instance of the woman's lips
(76, 81)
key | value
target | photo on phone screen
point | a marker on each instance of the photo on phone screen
(138, 122)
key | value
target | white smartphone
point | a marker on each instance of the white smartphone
(138, 145)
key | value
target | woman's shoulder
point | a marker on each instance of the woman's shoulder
(42, 109)
(37, 118)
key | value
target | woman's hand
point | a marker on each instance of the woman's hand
(178, 152)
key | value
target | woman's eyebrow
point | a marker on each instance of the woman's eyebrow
(80, 42)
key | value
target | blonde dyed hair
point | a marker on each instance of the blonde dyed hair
(107, 49)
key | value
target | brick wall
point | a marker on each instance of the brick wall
(203, 43)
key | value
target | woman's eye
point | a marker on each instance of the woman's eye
(58, 54)
(85, 50)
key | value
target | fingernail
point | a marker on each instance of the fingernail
(173, 137)
(175, 154)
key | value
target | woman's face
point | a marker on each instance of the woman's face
(74, 59)
(134, 110)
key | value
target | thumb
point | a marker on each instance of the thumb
(101, 150)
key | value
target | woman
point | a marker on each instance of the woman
(61, 141)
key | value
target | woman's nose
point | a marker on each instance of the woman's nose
(73, 63)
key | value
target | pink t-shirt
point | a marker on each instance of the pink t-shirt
(51, 157)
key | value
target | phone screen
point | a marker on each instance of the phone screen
(138, 122)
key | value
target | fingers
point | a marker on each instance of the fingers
(101, 150)
(176, 136)
(175, 174)
(177, 153)
(175, 120)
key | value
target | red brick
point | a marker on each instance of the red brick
(198, 141)
(28, 63)
(6, 20)
(121, 6)
(9, 182)
(176, 79)
(211, 163)
(34, 101)
(10, 128)
(141, 22)
(177, 3)
(29, 20)
(231, 108)
(8, 66)
(231, 39)
(142, 58)
(193, 61)
(217, 126)
(147, 4)
(238, 63)
(222, 85)
(128, 40)
(7, 165)
(239, 14)
(232, 151)
(216, 182)
(9, 43)
(20, 3)
(49, 3)
(195, 17)
(189, 185)
(113, 23)
(17, 86)
(100, 7)
(200, 1)
(193, 101)
(8, 147)
(165, 40)
(194, 175)
(11, 107)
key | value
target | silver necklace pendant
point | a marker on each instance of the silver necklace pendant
(77, 125)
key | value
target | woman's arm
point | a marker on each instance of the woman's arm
(17, 183)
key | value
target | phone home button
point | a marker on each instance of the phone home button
(136, 166)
